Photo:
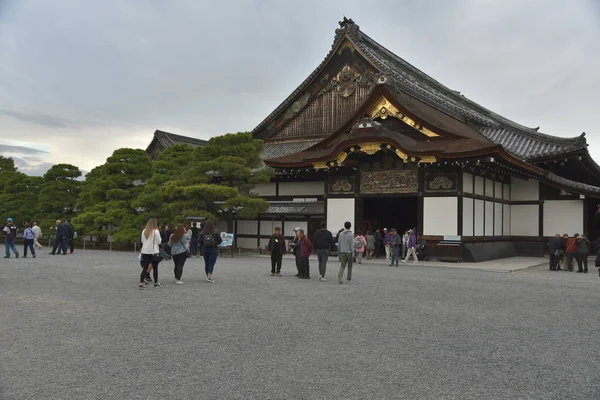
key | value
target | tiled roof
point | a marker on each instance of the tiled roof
(280, 149)
(577, 187)
(296, 208)
(167, 139)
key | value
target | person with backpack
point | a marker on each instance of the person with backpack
(10, 234)
(28, 240)
(210, 239)
(359, 246)
(276, 247)
(151, 240)
(179, 244)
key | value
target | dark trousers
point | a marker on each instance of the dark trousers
(570, 256)
(304, 267)
(210, 255)
(554, 259)
(179, 261)
(582, 259)
(60, 244)
(194, 246)
(71, 245)
(276, 260)
(146, 261)
(376, 249)
(28, 243)
(323, 256)
(394, 255)
(298, 267)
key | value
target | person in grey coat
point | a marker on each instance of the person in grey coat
(346, 251)
(583, 252)
(555, 250)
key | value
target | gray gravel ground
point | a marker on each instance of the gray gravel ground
(77, 327)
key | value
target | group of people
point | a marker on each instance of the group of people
(564, 250)
(348, 247)
(162, 243)
(31, 236)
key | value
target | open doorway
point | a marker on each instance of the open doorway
(389, 212)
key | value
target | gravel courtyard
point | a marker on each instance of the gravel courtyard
(77, 327)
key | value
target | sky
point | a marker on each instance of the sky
(79, 79)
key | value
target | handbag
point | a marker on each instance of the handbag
(156, 257)
(188, 253)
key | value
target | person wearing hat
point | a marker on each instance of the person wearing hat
(571, 252)
(395, 241)
(10, 234)
(276, 247)
(412, 245)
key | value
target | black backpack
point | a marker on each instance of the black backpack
(208, 240)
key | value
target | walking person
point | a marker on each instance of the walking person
(10, 234)
(323, 244)
(386, 243)
(378, 243)
(359, 246)
(295, 245)
(180, 244)
(583, 252)
(60, 241)
(405, 238)
(71, 235)
(370, 244)
(571, 252)
(555, 250)
(210, 239)
(276, 247)
(151, 240)
(412, 245)
(195, 232)
(38, 235)
(346, 249)
(395, 243)
(28, 239)
(306, 249)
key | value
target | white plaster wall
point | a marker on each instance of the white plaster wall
(522, 190)
(479, 185)
(524, 220)
(268, 227)
(479, 212)
(467, 182)
(498, 219)
(563, 216)
(489, 188)
(498, 193)
(440, 216)
(338, 212)
(265, 189)
(247, 227)
(246, 243)
(489, 218)
(300, 189)
(291, 225)
(506, 220)
(506, 191)
(467, 217)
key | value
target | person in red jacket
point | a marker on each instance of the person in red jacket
(571, 252)
(306, 249)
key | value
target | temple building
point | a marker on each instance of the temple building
(369, 138)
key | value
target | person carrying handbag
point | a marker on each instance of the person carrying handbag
(150, 239)
(179, 243)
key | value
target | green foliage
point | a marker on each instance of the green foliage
(60, 191)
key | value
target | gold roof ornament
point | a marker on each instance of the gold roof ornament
(383, 108)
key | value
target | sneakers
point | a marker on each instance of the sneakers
(278, 274)
(341, 282)
(178, 282)
(6, 257)
(272, 273)
(147, 281)
(34, 256)
(322, 279)
(141, 287)
(210, 280)
(157, 285)
(17, 255)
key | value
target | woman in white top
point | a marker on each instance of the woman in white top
(150, 239)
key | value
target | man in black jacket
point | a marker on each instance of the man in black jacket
(10, 234)
(60, 242)
(70, 236)
(555, 249)
(276, 247)
(323, 244)
(295, 245)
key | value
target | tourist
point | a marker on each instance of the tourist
(151, 240)
(555, 249)
(386, 243)
(210, 239)
(405, 238)
(10, 234)
(359, 246)
(38, 235)
(306, 249)
(71, 235)
(412, 244)
(195, 231)
(165, 234)
(346, 249)
(563, 259)
(395, 243)
(378, 243)
(370, 244)
(323, 244)
(583, 252)
(60, 241)
(295, 245)
(571, 252)
(179, 243)
(28, 239)
(276, 248)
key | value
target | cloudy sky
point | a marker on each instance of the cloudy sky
(79, 79)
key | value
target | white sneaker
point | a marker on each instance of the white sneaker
(209, 280)
(322, 279)
(178, 282)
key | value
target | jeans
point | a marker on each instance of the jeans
(346, 259)
(210, 255)
(60, 244)
(394, 255)
(276, 260)
(28, 243)
(194, 246)
(179, 261)
(10, 245)
(359, 256)
(323, 256)
(146, 262)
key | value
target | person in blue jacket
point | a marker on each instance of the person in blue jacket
(60, 242)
